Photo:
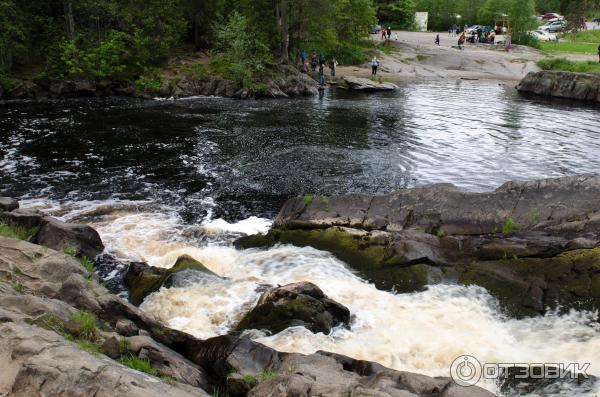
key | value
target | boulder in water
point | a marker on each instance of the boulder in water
(142, 279)
(8, 204)
(362, 84)
(297, 304)
(579, 86)
(58, 235)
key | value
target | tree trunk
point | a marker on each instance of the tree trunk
(281, 13)
(69, 20)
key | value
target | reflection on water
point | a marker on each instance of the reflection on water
(247, 157)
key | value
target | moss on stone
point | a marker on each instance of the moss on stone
(152, 279)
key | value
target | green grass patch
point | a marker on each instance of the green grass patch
(12, 231)
(139, 364)
(587, 36)
(308, 198)
(262, 376)
(562, 64)
(568, 47)
(85, 325)
(84, 260)
(509, 226)
(88, 346)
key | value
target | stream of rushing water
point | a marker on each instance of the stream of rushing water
(162, 178)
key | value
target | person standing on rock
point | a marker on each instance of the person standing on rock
(303, 56)
(461, 41)
(437, 39)
(389, 32)
(313, 61)
(322, 75)
(333, 67)
(374, 66)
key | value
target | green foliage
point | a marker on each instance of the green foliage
(18, 232)
(84, 260)
(522, 20)
(139, 364)
(562, 64)
(569, 47)
(308, 198)
(12, 33)
(399, 13)
(263, 376)
(51, 322)
(124, 346)
(88, 346)
(85, 325)
(509, 226)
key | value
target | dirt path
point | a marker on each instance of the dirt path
(415, 56)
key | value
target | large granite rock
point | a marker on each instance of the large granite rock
(362, 84)
(58, 235)
(142, 279)
(297, 304)
(580, 86)
(414, 237)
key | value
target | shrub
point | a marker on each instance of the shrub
(562, 64)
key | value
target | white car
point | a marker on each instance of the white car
(543, 35)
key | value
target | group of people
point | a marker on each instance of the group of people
(386, 33)
(315, 61)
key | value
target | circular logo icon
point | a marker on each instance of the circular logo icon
(465, 370)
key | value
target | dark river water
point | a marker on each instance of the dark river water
(249, 156)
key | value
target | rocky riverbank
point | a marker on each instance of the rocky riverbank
(64, 333)
(280, 82)
(569, 85)
(534, 245)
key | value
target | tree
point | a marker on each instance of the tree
(11, 35)
(522, 19)
(401, 13)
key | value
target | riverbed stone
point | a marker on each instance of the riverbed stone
(296, 304)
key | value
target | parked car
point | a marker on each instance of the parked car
(553, 27)
(543, 35)
(473, 28)
(376, 29)
(552, 15)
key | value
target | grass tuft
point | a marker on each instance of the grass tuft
(139, 364)
(565, 65)
(308, 198)
(86, 327)
(17, 232)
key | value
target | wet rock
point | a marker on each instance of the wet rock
(297, 304)
(8, 204)
(143, 279)
(59, 235)
(498, 240)
(25, 218)
(73, 87)
(579, 86)
(362, 84)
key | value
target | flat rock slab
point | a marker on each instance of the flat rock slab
(362, 84)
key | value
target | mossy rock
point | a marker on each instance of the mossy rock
(297, 304)
(142, 280)
(528, 286)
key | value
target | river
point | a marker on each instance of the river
(162, 178)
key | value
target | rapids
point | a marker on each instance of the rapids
(160, 179)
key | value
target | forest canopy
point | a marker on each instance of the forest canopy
(113, 39)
